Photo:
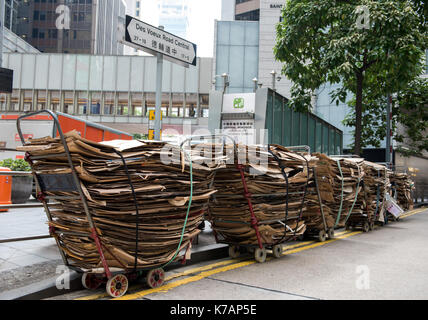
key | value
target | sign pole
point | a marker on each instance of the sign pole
(159, 74)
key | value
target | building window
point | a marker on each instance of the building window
(249, 16)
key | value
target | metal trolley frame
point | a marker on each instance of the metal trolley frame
(116, 279)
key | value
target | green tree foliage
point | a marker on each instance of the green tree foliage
(332, 41)
(409, 111)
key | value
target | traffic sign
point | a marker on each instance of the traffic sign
(144, 36)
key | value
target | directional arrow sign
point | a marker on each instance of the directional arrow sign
(153, 40)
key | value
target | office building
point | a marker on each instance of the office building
(69, 26)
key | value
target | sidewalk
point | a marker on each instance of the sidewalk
(19, 223)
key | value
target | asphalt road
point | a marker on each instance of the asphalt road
(388, 263)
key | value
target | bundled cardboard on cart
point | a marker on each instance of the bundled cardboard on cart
(161, 178)
(278, 204)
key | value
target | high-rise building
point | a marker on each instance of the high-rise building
(69, 26)
(174, 16)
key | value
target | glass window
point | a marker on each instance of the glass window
(69, 98)
(82, 102)
(122, 108)
(137, 104)
(204, 105)
(177, 105)
(191, 105)
(108, 103)
(96, 103)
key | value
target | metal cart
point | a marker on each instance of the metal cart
(364, 221)
(260, 249)
(326, 231)
(116, 280)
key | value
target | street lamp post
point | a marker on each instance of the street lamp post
(255, 80)
(273, 73)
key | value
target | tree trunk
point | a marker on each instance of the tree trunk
(359, 113)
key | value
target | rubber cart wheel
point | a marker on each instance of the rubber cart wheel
(372, 226)
(155, 278)
(234, 252)
(330, 233)
(260, 255)
(322, 236)
(277, 251)
(117, 286)
(366, 227)
(90, 282)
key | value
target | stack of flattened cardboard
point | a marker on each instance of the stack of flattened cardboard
(376, 185)
(229, 211)
(162, 190)
(403, 185)
(325, 179)
(340, 182)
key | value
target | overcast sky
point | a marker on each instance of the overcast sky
(201, 22)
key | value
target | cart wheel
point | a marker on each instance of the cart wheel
(372, 226)
(117, 286)
(89, 281)
(234, 252)
(260, 255)
(277, 251)
(322, 236)
(155, 278)
(366, 227)
(331, 233)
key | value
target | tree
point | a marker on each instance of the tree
(359, 44)
(409, 118)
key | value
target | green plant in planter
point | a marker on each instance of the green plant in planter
(15, 165)
(21, 186)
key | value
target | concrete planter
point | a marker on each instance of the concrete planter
(21, 189)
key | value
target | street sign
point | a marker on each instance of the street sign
(143, 36)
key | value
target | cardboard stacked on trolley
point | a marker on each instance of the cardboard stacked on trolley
(229, 210)
(403, 186)
(340, 191)
(162, 192)
(376, 186)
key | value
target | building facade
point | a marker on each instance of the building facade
(106, 86)
(68, 26)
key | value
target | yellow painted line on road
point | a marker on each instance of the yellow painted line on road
(412, 213)
(205, 268)
(171, 277)
(206, 274)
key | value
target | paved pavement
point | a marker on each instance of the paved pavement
(18, 223)
(387, 263)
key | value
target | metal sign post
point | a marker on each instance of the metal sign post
(159, 78)
(163, 45)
